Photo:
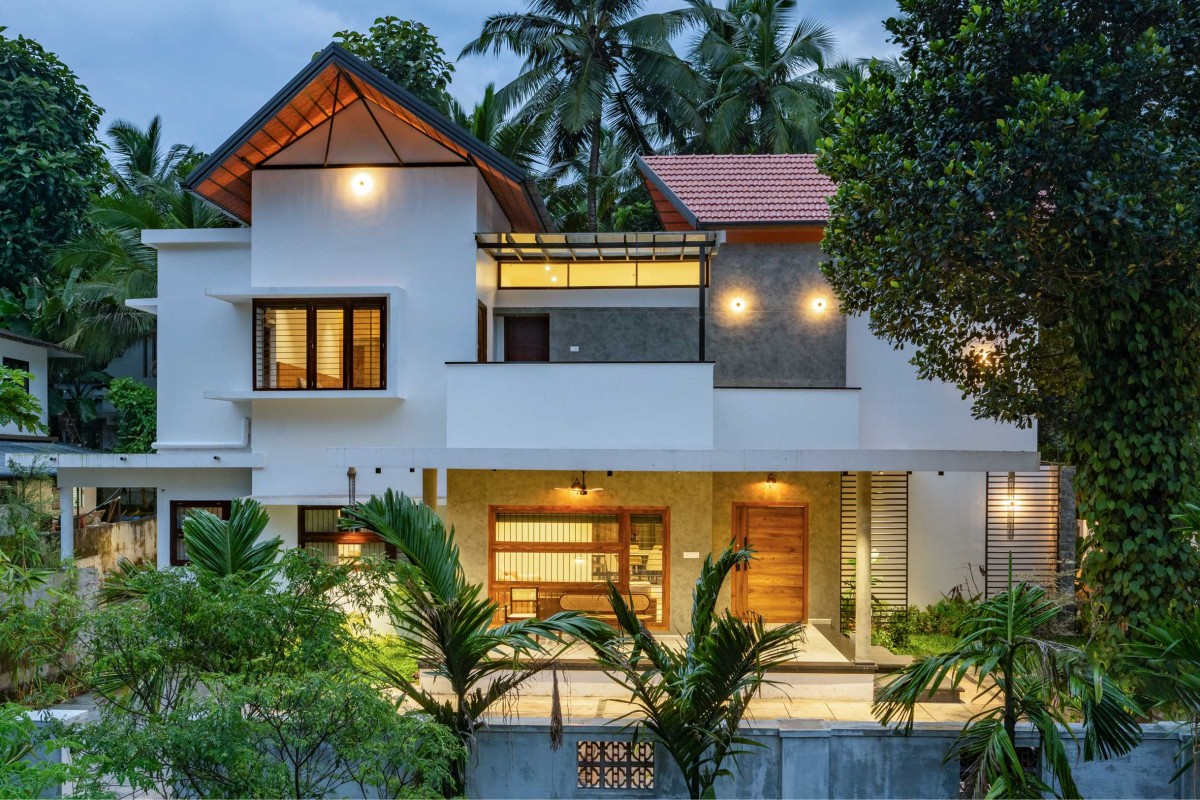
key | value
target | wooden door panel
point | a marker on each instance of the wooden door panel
(775, 585)
(527, 338)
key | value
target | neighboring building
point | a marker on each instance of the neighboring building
(33, 356)
(581, 407)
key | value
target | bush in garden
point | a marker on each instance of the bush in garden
(24, 771)
(226, 685)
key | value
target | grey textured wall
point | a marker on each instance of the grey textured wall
(619, 334)
(811, 759)
(778, 339)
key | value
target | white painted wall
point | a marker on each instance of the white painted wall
(580, 405)
(785, 419)
(901, 412)
(204, 344)
(946, 522)
(38, 385)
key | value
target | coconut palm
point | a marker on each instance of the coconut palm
(139, 163)
(693, 700)
(519, 142)
(588, 65)
(1034, 680)
(764, 89)
(220, 548)
(447, 621)
(617, 181)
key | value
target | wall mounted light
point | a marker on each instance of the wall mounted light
(738, 304)
(771, 480)
(362, 183)
(819, 304)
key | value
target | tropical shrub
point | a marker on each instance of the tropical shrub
(1164, 662)
(692, 701)
(24, 773)
(1038, 681)
(447, 621)
(137, 414)
(219, 548)
(220, 683)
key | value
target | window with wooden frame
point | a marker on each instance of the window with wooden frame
(181, 510)
(318, 529)
(571, 554)
(320, 344)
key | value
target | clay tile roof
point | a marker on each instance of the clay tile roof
(707, 190)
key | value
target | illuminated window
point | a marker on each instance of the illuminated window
(308, 344)
(571, 556)
(598, 275)
(318, 529)
(181, 510)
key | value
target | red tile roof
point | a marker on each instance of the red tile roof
(737, 190)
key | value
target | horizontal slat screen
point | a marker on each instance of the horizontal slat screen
(558, 528)
(889, 540)
(1022, 522)
(281, 348)
(368, 348)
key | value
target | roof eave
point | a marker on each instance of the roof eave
(649, 174)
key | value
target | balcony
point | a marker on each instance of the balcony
(637, 406)
(580, 405)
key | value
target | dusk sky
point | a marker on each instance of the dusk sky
(207, 65)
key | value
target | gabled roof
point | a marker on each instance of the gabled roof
(712, 191)
(329, 85)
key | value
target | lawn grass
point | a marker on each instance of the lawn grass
(925, 644)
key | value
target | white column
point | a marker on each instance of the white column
(862, 568)
(66, 522)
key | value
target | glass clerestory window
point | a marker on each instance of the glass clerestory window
(320, 344)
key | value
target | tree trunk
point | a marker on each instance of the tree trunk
(1132, 436)
(593, 176)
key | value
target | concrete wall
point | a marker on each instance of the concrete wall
(778, 339)
(102, 545)
(39, 385)
(807, 759)
(947, 516)
(558, 406)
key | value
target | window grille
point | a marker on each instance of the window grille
(1022, 522)
(307, 344)
(571, 557)
(318, 530)
(181, 510)
(614, 765)
(889, 543)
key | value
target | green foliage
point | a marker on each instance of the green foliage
(590, 65)
(49, 158)
(620, 193)
(693, 700)
(1021, 208)
(227, 686)
(763, 88)
(519, 142)
(221, 547)
(1041, 682)
(17, 406)
(24, 772)
(137, 414)
(447, 621)
(405, 51)
(1164, 662)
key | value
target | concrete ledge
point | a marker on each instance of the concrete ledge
(636, 460)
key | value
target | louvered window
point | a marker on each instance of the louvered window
(320, 344)
(318, 529)
(181, 510)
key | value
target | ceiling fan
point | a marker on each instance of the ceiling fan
(579, 486)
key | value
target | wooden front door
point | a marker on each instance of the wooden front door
(527, 338)
(774, 584)
(481, 333)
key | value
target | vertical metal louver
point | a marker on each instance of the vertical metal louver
(1022, 522)
(889, 540)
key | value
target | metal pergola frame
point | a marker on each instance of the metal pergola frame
(609, 248)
